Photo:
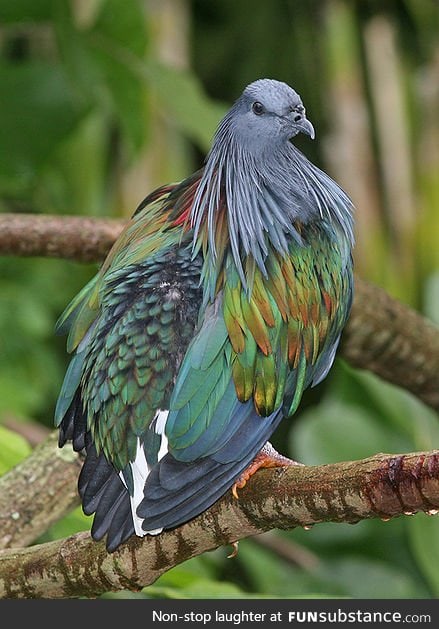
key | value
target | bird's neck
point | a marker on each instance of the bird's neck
(251, 209)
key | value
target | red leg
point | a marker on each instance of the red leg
(267, 457)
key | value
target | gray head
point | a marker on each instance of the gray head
(267, 113)
(265, 183)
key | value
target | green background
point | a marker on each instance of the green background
(103, 100)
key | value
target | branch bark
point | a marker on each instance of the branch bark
(69, 237)
(383, 335)
(382, 486)
(393, 341)
(37, 492)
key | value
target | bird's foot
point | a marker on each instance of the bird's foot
(267, 457)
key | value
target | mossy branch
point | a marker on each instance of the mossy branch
(382, 335)
(38, 492)
(382, 486)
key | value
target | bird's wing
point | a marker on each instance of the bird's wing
(265, 348)
(78, 319)
(128, 330)
(246, 368)
(212, 436)
(143, 234)
(285, 336)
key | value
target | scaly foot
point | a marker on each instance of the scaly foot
(267, 457)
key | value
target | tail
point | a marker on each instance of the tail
(103, 493)
(177, 491)
(163, 494)
(100, 486)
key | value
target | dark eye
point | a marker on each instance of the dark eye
(258, 108)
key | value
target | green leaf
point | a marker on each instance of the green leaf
(200, 589)
(103, 60)
(424, 540)
(195, 578)
(13, 449)
(118, 43)
(336, 431)
(40, 111)
(77, 55)
(25, 10)
(363, 578)
(385, 401)
(123, 23)
(185, 102)
(70, 524)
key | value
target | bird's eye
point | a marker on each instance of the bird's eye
(258, 108)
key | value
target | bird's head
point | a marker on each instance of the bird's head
(268, 113)
(265, 185)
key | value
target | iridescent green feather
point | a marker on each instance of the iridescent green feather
(126, 328)
(145, 233)
(306, 307)
(267, 343)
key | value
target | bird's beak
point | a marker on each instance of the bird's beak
(304, 126)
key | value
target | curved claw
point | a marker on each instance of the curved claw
(267, 457)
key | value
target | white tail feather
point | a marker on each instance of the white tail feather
(140, 470)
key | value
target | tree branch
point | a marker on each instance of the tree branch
(382, 335)
(37, 492)
(393, 341)
(69, 237)
(382, 486)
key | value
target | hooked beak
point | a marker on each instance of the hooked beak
(304, 126)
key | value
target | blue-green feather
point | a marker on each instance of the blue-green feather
(69, 387)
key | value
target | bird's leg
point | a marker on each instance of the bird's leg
(267, 457)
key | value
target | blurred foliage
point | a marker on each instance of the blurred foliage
(102, 100)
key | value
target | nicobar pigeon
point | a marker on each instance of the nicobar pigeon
(221, 301)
